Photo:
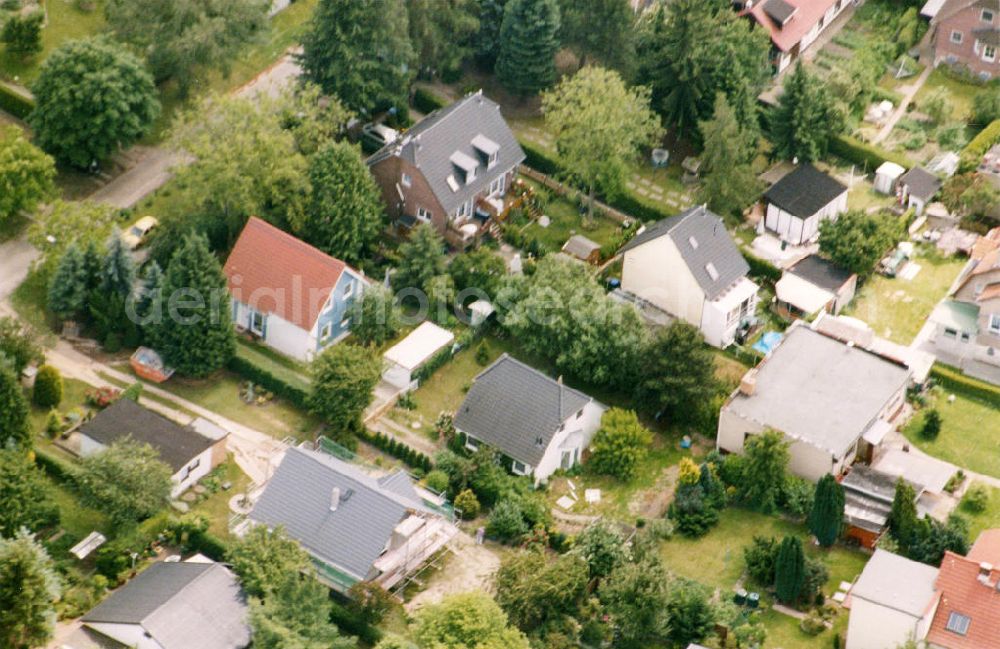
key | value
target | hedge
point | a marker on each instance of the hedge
(864, 154)
(350, 623)
(56, 468)
(397, 449)
(973, 152)
(762, 269)
(540, 160)
(281, 388)
(14, 102)
(426, 101)
(954, 379)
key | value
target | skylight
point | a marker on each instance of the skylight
(712, 272)
(693, 242)
(958, 623)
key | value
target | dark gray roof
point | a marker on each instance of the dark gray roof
(779, 10)
(868, 496)
(299, 495)
(702, 239)
(804, 191)
(921, 183)
(181, 605)
(517, 409)
(432, 143)
(821, 272)
(176, 444)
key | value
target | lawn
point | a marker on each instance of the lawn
(284, 368)
(74, 394)
(960, 93)
(896, 308)
(970, 436)
(215, 507)
(65, 23)
(985, 520)
(566, 220)
(77, 520)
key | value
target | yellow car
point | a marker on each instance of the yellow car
(136, 235)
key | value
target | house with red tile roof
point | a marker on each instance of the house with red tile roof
(793, 24)
(968, 615)
(288, 294)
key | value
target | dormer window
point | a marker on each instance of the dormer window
(466, 165)
(712, 272)
(487, 148)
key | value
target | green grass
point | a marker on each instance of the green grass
(988, 519)
(77, 520)
(284, 368)
(897, 308)
(65, 23)
(28, 300)
(566, 220)
(960, 94)
(216, 506)
(74, 395)
(970, 436)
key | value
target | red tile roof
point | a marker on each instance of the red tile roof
(807, 15)
(963, 591)
(274, 272)
(986, 548)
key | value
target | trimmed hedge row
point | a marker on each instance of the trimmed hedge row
(954, 379)
(858, 152)
(56, 468)
(398, 450)
(762, 269)
(426, 101)
(350, 623)
(281, 388)
(14, 102)
(973, 152)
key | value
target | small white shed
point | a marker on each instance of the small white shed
(403, 358)
(886, 176)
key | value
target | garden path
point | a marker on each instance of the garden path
(909, 92)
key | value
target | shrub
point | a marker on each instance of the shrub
(759, 558)
(483, 353)
(53, 423)
(761, 269)
(133, 392)
(973, 152)
(426, 101)
(468, 504)
(14, 102)
(249, 370)
(48, 391)
(812, 625)
(916, 141)
(953, 379)
(932, 425)
(112, 342)
(976, 499)
(58, 469)
(864, 154)
(507, 521)
(437, 481)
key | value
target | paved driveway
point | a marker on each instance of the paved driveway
(15, 259)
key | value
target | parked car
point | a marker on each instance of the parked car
(136, 235)
(376, 136)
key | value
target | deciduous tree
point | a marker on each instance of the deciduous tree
(636, 595)
(467, 621)
(296, 615)
(827, 515)
(128, 481)
(15, 430)
(531, 589)
(692, 617)
(22, 33)
(856, 240)
(764, 469)
(619, 444)
(29, 590)
(344, 377)
(92, 97)
(27, 174)
(529, 41)
(375, 318)
(676, 374)
(600, 29)
(18, 344)
(478, 270)
(600, 126)
(603, 548)
(264, 557)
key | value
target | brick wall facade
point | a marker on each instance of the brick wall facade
(969, 37)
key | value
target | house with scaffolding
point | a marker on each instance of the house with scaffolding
(356, 526)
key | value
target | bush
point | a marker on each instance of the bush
(932, 425)
(112, 342)
(437, 481)
(426, 101)
(53, 423)
(976, 499)
(953, 379)
(14, 103)
(759, 558)
(468, 504)
(483, 353)
(396, 449)
(864, 154)
(506, 521)
(916, 141)
(761, 269)
(133, 392)
(56, 468)
(812, 625)
(249, 370)
(973, 152)
(48, 391)
(540, 160)
(350, 622)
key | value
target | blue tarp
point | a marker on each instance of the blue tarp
(768, 341)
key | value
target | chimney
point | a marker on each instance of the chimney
(335, 499)
(748, 384)
(984, 571)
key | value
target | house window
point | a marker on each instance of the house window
(958, 623)
(986, 16)
(349, 291)
(406, 180)
(325, 331)
(493, 159)
(463, 210)
(965, 337)
(496, 186)
(579, 413)
(956, 36)
(989, 53)
(257, 322)
(950, 333)
(345, 323)
(424, 215)
(471, 443)
(519, 468)
(995, 323)
(191, 467)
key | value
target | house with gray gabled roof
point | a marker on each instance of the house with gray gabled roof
(535, 421)
(355, 526)
(451, 169)
(689, 267)
(195, 603)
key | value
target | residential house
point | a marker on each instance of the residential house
(814, 284)
(688, 266)
(892, 602)
(451, 169)
(355, 526)
(967, 326)
(291, 296)
(191, 451)
(800, 201)
(916, 188)
(858, 333)
(834, 402)
(793, 25)
(537, 422)
(965, 33)
(181, 605)
(868, 497)
(955, 606)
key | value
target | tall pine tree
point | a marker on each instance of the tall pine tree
(14, 427)
(903, 515)
(728, 182)
(789, 570)
(145, 298)
(529, 40)
(194, 329)
(117, 268)
(805, 119)
(29, 589)
(360, 51)
(68, 288)
(827, 515)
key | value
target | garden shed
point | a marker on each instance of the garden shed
(409, 354)
(886, 176)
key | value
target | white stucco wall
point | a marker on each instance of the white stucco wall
(874, 626)
(280, 334)
(200, 466)
(587, 424)
(656, 272)
(129, 635)
(796, 230)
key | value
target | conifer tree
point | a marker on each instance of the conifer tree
(117, 268)
(152, 286)
(805, 119)
(14, 428)
(529, 40)
(728, 182)
(194, 332)
(67, 294)
(903, 515)
(789, 570)
(827, 514)
(29, 589)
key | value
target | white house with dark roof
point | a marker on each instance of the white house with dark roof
(834, 402)
(688, 266)
(451, 169)
(916, 188)
(814, 284)
(800, 201)
(355, 526)
(537, 422)
(183, 605)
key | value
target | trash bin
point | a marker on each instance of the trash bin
(753, 599)
(741, 597)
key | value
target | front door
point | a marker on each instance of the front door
(257, 323)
